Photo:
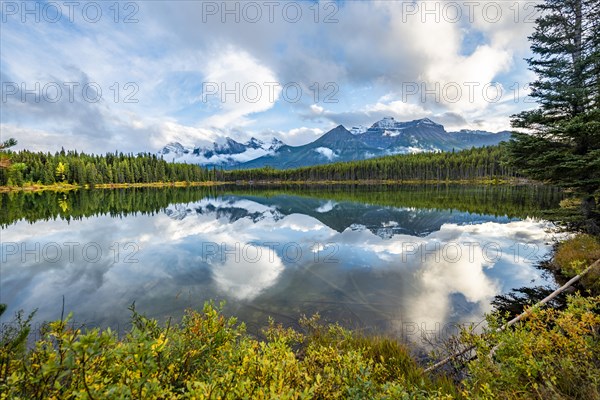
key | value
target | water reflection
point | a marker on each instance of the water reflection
(367, 265)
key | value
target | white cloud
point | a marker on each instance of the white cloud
(300, 136)
(326, 152)
(326, 207)
(257, 269)
(243, 86)
(172, 51)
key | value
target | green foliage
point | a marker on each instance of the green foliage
(581, 249)
(10, 172)
(112, 168)
(75, 205)
(210, 356)
(15, 173)
(552, 355)
(475, 163)
(575, 254)
(563, 143)
(8, 143)
(82, 169)
(500, 200)
(13, 339)
(61, 171)
(4, 159)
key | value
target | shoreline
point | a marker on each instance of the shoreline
(67, 187)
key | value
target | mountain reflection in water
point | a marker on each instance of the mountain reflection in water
(389, 263)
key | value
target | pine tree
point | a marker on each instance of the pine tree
(562, 145)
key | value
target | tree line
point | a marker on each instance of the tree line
(475, 163)
(85, 169)
(71, 167)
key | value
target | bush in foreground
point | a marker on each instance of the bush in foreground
(210, 356)
(554, 354)
(575, 254)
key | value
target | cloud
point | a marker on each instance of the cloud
(326, 152)
(171, 53)
(241, 85)
(246, 278)
(326, 207)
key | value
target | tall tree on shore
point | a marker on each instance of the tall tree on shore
(562, 140)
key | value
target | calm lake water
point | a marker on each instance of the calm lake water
(391, 260)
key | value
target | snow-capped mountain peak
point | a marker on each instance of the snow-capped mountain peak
(390, 124)
(358, 130)
(426, 121)
(255, 143)
(227, 151)
(385, 137)
(275, 144)
(173, 148)
(386, 123)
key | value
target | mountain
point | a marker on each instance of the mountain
(481, 138)
(417, 136)
(384, 137)
(227, 154)
(337, 215)
(336, 145)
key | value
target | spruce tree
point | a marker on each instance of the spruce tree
(561, 144)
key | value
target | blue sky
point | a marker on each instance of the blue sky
(135, 76)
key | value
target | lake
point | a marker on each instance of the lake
(395, 260)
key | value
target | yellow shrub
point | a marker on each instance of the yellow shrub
(576, 254)
(582, 248)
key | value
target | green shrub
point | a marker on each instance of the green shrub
(210, 356)
(552, 355)
(575, 254)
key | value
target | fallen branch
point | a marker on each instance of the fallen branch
(518, 318)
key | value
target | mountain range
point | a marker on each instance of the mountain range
(339, 216)
(384, 137)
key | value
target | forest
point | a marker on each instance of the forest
(475, 163)
(71, 167)
(28, 168)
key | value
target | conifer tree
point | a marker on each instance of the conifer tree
(561, 144)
